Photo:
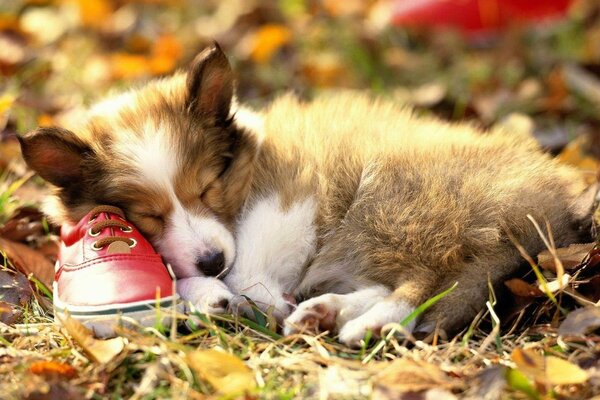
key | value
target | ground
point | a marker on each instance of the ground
(538, 340)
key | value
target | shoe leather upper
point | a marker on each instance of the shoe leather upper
(113, 274)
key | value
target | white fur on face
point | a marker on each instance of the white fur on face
(273, 246)
(186, 236)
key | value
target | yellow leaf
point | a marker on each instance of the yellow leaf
(268, 39)
(225, 372)
(101, 351)
(6, 101)
(563, 372)
(548, 370)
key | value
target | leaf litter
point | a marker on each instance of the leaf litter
(544, 347)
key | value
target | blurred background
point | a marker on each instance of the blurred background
(533, 65)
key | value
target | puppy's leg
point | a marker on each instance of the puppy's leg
(389, 310)
(207, 295)
(274, 243)
(332, 311)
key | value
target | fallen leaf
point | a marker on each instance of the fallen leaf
(580, 321)
(564, 372)
(93, 13)
(25, 222)
(267, 40)
(167, 50)
(577, 153)
(548, 370)
(6, 102)
(129, 66)
(225, 372)
(15, 293)
(521, 288)
(52, 369)
(529, 363)
(28, 261)
(570, 257)
(406, 375)
(101, 351)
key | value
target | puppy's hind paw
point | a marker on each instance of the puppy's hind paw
(314, 315)
(381, 314)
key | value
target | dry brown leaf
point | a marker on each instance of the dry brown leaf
(570, 257)
(15, 292)
(529, 363)
(167, 50)
(25, 222)
(548, 370)
(578, 154)
(267, 40)
(405, 375)
(101, 351)
(521, 288)
(225, 372)
(28, 261)
(580, 321)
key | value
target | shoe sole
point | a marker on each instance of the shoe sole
(104, 320)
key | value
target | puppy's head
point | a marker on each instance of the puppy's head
(170, 154)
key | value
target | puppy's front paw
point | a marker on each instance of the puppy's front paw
(315, 315)
(207, 295)
(381, 314)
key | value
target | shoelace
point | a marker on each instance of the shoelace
(97, 227)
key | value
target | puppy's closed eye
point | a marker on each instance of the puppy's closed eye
(149, 223)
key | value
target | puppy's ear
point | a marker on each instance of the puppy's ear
(210, 85)
(56, 154)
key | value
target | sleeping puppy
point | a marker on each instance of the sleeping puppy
(355, 204)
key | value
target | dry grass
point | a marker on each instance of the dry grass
(507, 352)
(479, 363)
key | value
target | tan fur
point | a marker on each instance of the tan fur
(411, 203)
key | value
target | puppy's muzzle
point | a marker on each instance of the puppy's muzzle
(211, 264)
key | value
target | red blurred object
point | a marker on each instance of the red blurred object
(475, 16)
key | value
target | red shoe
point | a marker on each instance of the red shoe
(108, 274)
(475, 16)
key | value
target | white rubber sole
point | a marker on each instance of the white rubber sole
(103, 321)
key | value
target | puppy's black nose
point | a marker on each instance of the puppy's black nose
(211, 264)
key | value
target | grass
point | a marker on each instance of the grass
(523, 72)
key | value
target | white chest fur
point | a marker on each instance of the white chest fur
(273, 246)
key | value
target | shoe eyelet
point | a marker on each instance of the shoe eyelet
(91, 220)
(133, 244)
(129, 229)
(92, 233)
(96, 248)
